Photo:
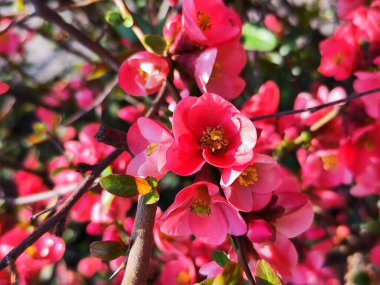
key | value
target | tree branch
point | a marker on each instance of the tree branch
(316, 108)
(52, 221)
(53, 17)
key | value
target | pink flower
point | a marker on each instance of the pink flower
(178, 272)
(265, 102)
(366, 81)
(131, 113)
(281, 254)
(338, 58)
(48, 249)
(3, 88)
(368, 181)
(249, 188)
(204, 213)
(272, 23)
(217, 70)
(84, 97)
(366, 19)
(374, 255)
(149, 141)
(89, 266)
(210, 129)
(89, 150)
(307, 100)
(210, 22)
(322, 168)
(10, 41)
(143, 73)
(345, 7)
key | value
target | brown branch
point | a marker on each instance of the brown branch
(53, 17)
(242, 258)
(94, 104)
(160, 97)
(52, 221)
(316, 108)
(141, 242)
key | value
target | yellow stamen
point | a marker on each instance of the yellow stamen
(183, 278)
(214, 139)
(203, 20)
(150, 149)
(215, 71)
(200, 204)
(248, 177)
(31, 251)
(330, 162)
(338, 58)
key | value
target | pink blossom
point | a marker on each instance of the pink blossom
(368, 181)
(374, 255)
(210, 22)
(89, 266)
(217, 70)
(149, 141)
(84, 97)
(265, 102)
(281, 254)
(131, 113)
(366, 81)
(210, 129)
(204, 213)
(3, 88)
(345, 7)
(338, 58)
(178, 272)
(322, 168)
(48, 249)
(272, 23)
(249, 188)
(143, 73)
(366, 19)
(10, 41)
(323, 96)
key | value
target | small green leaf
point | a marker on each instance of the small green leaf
(265, 274)
(156, 43)
(220, 257)
(114, 18)
(232, 275)
(107, 250)
(257, 38)
(119, 185)
(128, 22)
(207, 281)
(152, 197)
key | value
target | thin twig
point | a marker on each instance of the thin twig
(52, 221)
(160, 97)
(316, 108)
(94, 104)
(242, 259)
(51, 16)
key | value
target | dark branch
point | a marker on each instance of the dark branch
(53, 17)
(316, 108)
(52, 221)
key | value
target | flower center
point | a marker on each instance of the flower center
(31, 251)
(338, 58)
(366, 142)
(200, 205)
(215, 71)
(214, 139)
(330, 162)
(150, 149)
(183, 278)
(248, 177)
(203, 21)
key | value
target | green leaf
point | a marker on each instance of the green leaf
(265, 274)
(207, 281)
(114, 18)
(119, 185)
(256, 38)
(232, 275)
(128, 22)
(107, 250)
(220, 257)
(152, 197)
(156, 43)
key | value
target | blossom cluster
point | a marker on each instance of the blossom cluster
(221, 151)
